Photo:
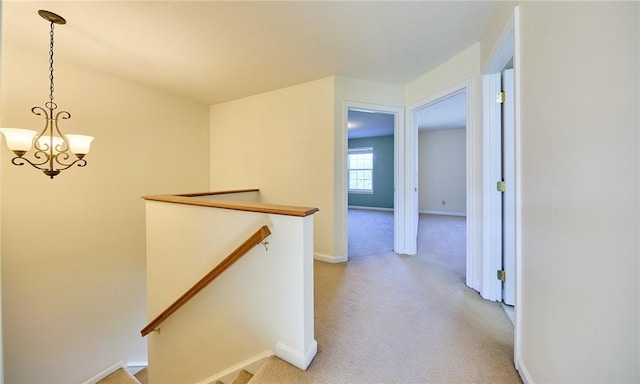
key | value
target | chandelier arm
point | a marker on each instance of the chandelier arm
(16, 161)
(64, 148)
(36, 111)
(61, 158)
(40, 155)
(78, 162)
(40, 151)
(19, 161)
(61, 115)
(39, 111)
(64, 115)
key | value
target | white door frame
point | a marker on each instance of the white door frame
(411, 176)
(509, 195)
(398, 189)
(506, 48)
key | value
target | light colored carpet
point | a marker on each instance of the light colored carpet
(369, 232)
(442, 240)
(387, 318)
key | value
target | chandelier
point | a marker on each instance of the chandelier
(53, 151)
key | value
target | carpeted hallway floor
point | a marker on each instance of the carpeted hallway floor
(370, 233)
(388, 318)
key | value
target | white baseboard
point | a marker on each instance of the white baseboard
(106, 373)
(140, 364)
(297, 358)
(524, 374)
(329, 259)
(251, 365)
(444, 213)
(136, 366)
(370, 208)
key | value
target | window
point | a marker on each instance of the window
(360, 166)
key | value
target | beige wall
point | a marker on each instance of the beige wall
(73, 248)
(580, 209)
(442, 171)
(282, 143)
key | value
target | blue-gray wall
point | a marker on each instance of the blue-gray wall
(382, 196)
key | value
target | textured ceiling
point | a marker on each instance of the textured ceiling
(215, 51)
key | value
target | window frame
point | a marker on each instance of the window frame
(357, 151)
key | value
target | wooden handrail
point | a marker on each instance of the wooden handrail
(199, 200)
(219, 192)
(245, 247)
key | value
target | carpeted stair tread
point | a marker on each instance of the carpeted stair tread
(143, 376)
(121, 376)
(276, 370)
(243, 377)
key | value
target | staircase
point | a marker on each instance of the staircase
(243, 377)
(122, 376)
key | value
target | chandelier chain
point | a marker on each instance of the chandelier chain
(52, 105)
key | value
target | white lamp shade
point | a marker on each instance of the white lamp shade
(80, 144)
(45, 142)
(18, 139)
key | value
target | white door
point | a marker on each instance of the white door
(499, 189)
(491, 288)
(509, 195)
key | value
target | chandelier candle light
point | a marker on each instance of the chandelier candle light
(54, 151)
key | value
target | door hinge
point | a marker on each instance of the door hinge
(501, 186)
(502, 275)
(500, 97)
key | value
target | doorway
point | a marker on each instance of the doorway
(448, 109)
(442, 180)
(371, 181)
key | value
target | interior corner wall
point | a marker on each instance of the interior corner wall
(73, 248)
(282, 143)
(580, 219)
(461, 68)
(442, 179)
